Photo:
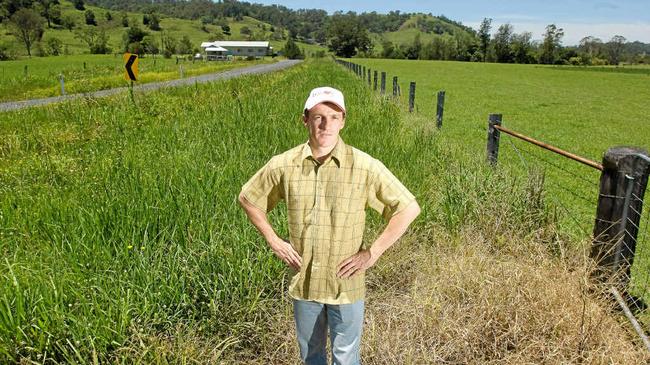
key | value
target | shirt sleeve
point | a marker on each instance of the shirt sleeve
(264, 190)
(388, 195)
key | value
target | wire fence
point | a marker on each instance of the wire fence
(573, 192)
(620, 247)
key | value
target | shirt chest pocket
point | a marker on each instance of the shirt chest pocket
(350, 197)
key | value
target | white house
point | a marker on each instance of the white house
(222, 49)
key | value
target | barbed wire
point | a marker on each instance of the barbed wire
(569, 212)
(588, 182)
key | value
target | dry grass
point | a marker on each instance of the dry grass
(438, 299)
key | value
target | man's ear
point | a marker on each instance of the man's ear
(304, 120)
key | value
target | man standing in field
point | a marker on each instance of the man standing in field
(327, 186)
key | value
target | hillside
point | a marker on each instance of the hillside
(430, 29)
(196, 30)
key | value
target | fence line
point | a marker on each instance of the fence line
(378, 82)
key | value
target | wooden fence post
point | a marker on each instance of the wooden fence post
(411, 96)
(62, 84)
(375, 81)
(394, 86)
(383, 83)
(441, 108)
(369, 78)
(622, 186)
(25, 70)
(493, 138)
(364, 73)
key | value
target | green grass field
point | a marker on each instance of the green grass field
(119, 225)
(85, 73)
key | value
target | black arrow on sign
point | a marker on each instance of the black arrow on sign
(128, 65)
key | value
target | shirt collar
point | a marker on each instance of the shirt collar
(338, 153)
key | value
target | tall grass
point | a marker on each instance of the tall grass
(118, 219)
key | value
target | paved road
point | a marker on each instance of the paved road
(257, 69)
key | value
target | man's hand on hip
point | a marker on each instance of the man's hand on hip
(356, 263)
(285, 251)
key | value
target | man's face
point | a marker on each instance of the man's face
(324, 122)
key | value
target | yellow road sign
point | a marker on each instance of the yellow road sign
(131, 66)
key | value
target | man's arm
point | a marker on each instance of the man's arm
(280, 247)
(395, 228)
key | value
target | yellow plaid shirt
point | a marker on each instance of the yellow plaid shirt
(326, 211)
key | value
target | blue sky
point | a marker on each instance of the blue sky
(578, 18)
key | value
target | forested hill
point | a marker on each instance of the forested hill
(306, 24)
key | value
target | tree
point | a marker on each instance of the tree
(225, 29)
(95, 38)
(169, 44)
(292, 51)
(590, 46)
(54, 46)
(502, 44)
(615, 48)
(522, 47)
(387, 49)
(50, 10)
(125, 20)
(90, 17)
(551, 44)
(133, 35)
(154, 22)
(108, 16)
(27, 27)
(68, 22)
(245, 31)
(79, 4)
(347, 36)
(185, 45)
(484, 36)
(149, 45)
(412, 52)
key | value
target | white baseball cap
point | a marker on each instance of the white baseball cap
(325, 94)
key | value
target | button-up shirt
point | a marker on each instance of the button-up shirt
(326, 211)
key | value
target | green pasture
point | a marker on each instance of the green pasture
(579, 109)
(85, 73)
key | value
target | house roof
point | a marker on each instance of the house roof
(215, 49)
(235, 44)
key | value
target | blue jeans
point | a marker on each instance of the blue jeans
(345, 323)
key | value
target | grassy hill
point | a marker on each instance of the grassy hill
(427, 26)
(174, 27)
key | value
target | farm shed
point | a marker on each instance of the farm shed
(237, 48)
